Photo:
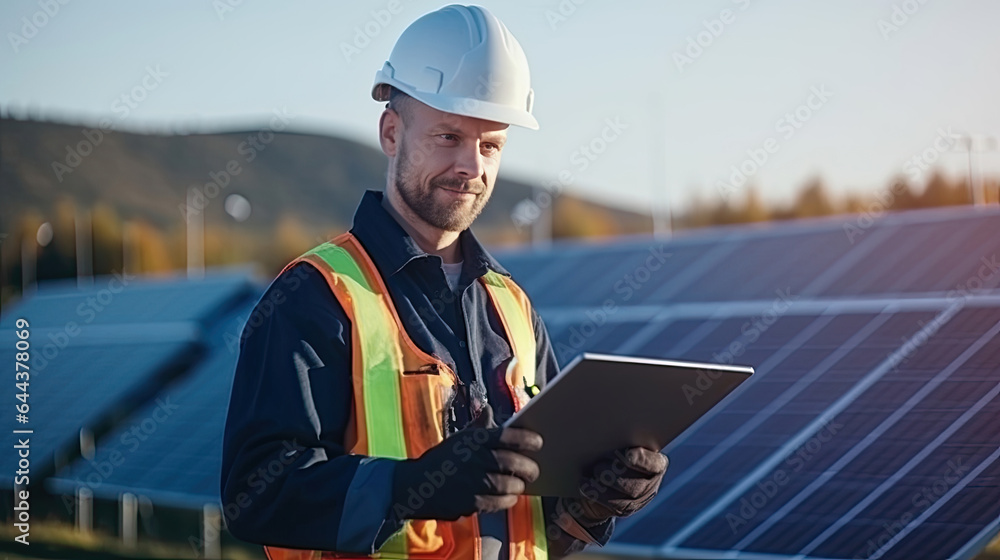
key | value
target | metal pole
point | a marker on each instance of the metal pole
(195, 219)
(129, 520)
(84, 510)
(976, 145)
(84, 250)
(211, 529)
(130, 249)
(541, 227)
(29, 260)
(660, 207)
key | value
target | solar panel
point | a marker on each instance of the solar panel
(923, 257)
(63, 400)
(114, 300)
(188, 440)
(872, 426)
(100, 351)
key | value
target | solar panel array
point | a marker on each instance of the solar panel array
(871, 428)
(99, 352)
(170, 449)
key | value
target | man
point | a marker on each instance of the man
(364, 412)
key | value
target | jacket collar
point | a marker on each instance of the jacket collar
(391, 248)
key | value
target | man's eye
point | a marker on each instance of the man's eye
(449, 137)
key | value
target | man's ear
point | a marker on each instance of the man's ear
(390, 131)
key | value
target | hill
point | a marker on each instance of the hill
(317, 178)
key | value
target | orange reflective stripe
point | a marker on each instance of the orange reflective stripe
(526, 520)
(514, 309)
(380, 362)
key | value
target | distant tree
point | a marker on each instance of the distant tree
(903, 197)
(290, 240)
(107, 228)
(152, 249)
(58, 258)
(753, 207)
(992, 190)
(853, 204)
(813, 200)
(697, 214)
(572, 217)
(940, 192)
(723, 214)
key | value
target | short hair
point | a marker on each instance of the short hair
(400, 102)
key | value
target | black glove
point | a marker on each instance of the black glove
(478, 469)
(618, 485)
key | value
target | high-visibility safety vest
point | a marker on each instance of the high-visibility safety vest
(400, 395)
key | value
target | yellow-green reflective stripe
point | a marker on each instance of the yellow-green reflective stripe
(523, 341)
(519, 323)
(381, 357)
(538, 521)
(396, 545)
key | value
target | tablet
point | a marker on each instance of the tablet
(599, 403)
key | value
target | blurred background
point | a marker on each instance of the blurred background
(682, 99)
(160, 163)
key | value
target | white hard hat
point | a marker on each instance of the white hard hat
(462, 60)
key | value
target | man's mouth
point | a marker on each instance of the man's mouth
(457, 191)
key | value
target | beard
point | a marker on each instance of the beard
(453, 215)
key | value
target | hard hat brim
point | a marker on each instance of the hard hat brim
(465, 106)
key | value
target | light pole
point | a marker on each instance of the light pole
(975, 145)
(195, 219)
(660, 208)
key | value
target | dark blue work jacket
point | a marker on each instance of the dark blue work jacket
(287, 479)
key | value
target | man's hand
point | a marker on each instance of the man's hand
(476, 470)
(618, 485)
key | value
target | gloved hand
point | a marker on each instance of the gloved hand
(480, 468)
(618, 485)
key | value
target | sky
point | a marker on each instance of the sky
(787, 90)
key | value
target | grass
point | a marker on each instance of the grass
(60, 540)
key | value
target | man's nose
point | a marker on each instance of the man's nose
(469, 161)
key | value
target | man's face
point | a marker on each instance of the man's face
(446, 165)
